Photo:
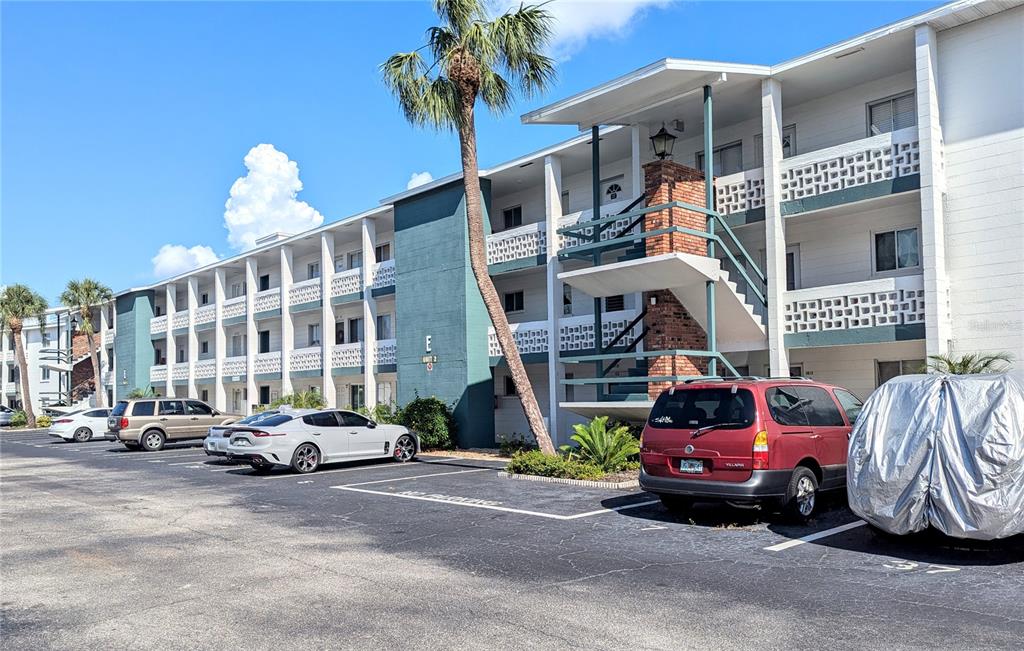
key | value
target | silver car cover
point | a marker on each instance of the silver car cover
(942, 451)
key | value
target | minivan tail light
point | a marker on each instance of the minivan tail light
(124, 423)
(761, 450)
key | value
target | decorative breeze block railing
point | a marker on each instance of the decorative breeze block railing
(882, 302)
(267, 300)
(108, 337)
(383, 274)
(205, 368)
(180, 371)
(268, 362)
(233, 366)
(307, 291)
(346, 282)
(206, 314)
(158, 373)
(158, 324)
(739, 192)
(527, 241)
(347, 355)
(385, 352)
(179, 320)
(574, 333)
(305, 359)
(233, 307)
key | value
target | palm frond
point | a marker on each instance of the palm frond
(970, 363)
(495, 92)
(459, 14)
(441, 41)
(521, 37)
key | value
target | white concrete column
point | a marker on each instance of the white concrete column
(104, 328)
(327, 317)
(4, 365)
(220, 396)
(192, 354)
(556, 370)
(636, 171)
(252, 338)
(287, 322)
(369, 239)
(938, 317)
(170, 347)
(774, 226)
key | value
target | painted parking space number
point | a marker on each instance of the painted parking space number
(910, 565)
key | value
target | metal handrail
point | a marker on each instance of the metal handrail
(630, 348)
(622, 334)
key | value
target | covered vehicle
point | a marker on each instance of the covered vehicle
(941, 451)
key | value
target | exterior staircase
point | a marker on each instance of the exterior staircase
(621, 391)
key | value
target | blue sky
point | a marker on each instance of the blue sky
(124, 125)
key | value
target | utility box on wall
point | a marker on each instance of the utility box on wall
(442, 333)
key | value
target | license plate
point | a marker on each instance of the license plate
(241, 442)
(691, 466)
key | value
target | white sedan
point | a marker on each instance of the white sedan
(80, 425)
(217, 437)
(305, 441)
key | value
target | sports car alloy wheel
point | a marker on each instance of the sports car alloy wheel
(405, 448)
(306, 458)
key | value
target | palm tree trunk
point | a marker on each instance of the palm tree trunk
(101, 398)
(478, 261)
(26, 395)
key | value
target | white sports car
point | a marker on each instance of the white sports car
(304, 441)
(217, 437)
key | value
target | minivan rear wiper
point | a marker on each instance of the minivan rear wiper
(707, 428)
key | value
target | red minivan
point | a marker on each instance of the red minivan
(747, 440)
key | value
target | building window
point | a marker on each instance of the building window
(792, 268)
(385, 393)
(158, 311)
(788, 145)
(264, 282)
(728, 159)
(356, 396)
(384, 327)
(355, 260)
(264, 395)
(355, 331)
(898, 249)
(513, 216)
(615, 303)
(45, 374)
(312, 270)
(892, 114)
(237, 289)
(204, 395)
(885, 371)
(264, 341)
(204, 299)
(237, 345)
(204, 347)
(181, 355)
(513, 302)
(565, 202)
(566, 300)
(570, 389)
(611, 190)
(313, 335)
(510, 387)
(382, 252)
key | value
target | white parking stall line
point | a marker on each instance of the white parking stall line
(380, 466)
(433, 474)
(815, 536)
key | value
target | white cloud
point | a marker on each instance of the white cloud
(419, 178)
(579, 21)
(174, 259)
(264, 200)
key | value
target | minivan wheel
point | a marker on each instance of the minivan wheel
(306, 458)
(801, 495)
(152, 440)
(83, 434)
(676, 503)
(405, 449)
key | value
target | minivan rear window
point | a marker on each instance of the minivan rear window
(119, 408)
(143, 409)
(694, 408)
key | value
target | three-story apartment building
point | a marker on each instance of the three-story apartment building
(866, 211)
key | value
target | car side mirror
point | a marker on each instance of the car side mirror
(371, 424)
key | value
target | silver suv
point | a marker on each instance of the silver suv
(149, 423)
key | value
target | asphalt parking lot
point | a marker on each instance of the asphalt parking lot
(106, 548)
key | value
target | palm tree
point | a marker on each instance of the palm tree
(17, 303)
(969, 364)
(473, 56)
(84, 295)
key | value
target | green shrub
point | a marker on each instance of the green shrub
(301, 400)
(535, 462)
(382, 413)
(432, 420)
(608, 448)
(19, 419)
(509, 444)
(148, 392)
(44, 421)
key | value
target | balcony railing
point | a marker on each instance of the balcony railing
(346, 282)
(108, 337)
(305, 359)
(575, 333)
(180, 371)
(268, 362)
(307, 291)
(233, 307)
(385, 352)
(106, 377)
(267, 300)
(347, 355)
(383, 274)
(179, 320)
(158, 325)
(233, 366)
(206, 314)
(866, 304)
(205, 368)
(527, 241)
(158, 373)
(878, 158)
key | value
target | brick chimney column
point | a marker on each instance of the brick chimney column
(671, 325)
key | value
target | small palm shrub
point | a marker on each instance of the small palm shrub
(19, 419)
(609, 448)
(969, 364)
(432, 420)
(535, 462)
(44, 421)
(301, 400)
(382, 413)
(148, 392)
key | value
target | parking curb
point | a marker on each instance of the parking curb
(621, 485)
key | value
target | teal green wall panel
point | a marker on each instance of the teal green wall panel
(302, 374)
(347, 370)
(234, 320)
(516, 265)
(206, 326)
(852, 336)
(267, 314)
(305, 307)
(264, 377)
(436, 296)
(347, 298)
(133, 348)
(850, 195)
(382, 291)
(180, 332)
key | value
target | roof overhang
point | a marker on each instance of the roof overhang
(662, 82)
